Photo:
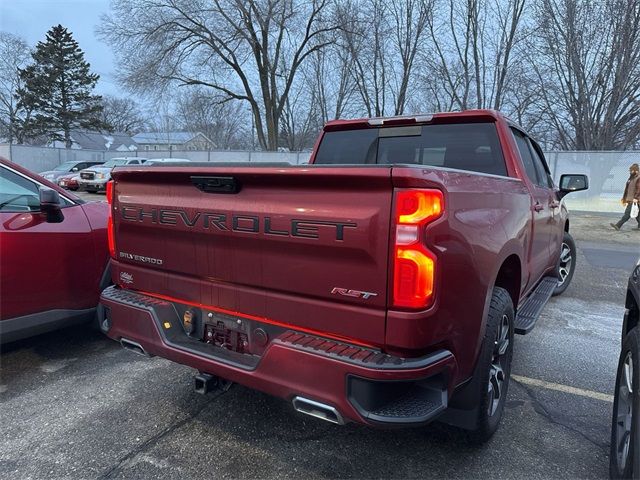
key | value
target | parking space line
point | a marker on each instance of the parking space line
(563, 388)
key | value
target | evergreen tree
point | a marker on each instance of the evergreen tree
(58, 89)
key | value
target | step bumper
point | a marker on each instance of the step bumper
(362, 384)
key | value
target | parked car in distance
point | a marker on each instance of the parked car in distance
(67, 167)
(624, 457)
(381, 284)
(95, 179)
(159, 161)
(69, 181)
(42, 227)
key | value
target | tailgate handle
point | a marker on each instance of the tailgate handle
(216, 184)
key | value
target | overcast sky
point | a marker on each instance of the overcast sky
(31, 19)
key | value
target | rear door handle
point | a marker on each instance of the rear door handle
(538, 207)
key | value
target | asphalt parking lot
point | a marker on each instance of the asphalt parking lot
(75, 405)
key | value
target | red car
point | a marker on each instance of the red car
(382, 284)
(42, 228)
(69, 181)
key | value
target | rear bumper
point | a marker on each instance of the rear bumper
(362, 384)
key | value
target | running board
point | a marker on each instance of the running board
(531, 308)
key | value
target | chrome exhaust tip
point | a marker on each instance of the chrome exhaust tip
(134, 347)
(317, 410)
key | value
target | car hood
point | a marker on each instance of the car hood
(99, 169)
(55, 173)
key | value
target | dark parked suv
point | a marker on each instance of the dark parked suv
(625, 452)
(65, 168)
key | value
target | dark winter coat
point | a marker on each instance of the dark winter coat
(632, 189)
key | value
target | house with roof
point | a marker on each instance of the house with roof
(86, 140)
(173, 141)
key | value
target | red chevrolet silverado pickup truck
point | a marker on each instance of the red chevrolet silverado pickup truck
(381, 284)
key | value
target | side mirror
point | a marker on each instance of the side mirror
(74, 169)
(572, 183)
(51, 205)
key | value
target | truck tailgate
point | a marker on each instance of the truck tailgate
(306, 247)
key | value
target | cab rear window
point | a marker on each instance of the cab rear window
(463, 146)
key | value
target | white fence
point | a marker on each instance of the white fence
(607, 171)
(40, 159)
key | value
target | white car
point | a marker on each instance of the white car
(95, 179)
(157, 161)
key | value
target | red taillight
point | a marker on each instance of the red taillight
(414, 265)
(418, 206)
(110, 192)
(110, 233)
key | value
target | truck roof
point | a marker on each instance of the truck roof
(462, 116)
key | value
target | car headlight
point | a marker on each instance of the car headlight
(100, 175)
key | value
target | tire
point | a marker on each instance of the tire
(624, 457)
(492, 373)
(566, 264)
(105, 281)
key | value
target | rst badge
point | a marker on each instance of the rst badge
(347, 292)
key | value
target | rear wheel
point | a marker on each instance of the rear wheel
(493, 370)
(623, 458)
(566, 264)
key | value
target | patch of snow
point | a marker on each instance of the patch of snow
(108, 141)
(55, 365)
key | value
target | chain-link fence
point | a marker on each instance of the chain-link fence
(607, 171)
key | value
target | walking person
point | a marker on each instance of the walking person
(630, 197)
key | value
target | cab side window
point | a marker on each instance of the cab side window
(526, 156)
(541, 166)
(17, 194)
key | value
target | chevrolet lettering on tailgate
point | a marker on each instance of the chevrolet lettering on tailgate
(234, 223)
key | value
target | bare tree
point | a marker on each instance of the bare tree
(248, 50)
(410, 18)
(301, 120)
(509, 17)
(123, 115)
(363, 37)
(224, 123)
(382, 39)
(474, 43)
(589, 71)
(329, 75)
(14, 54)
